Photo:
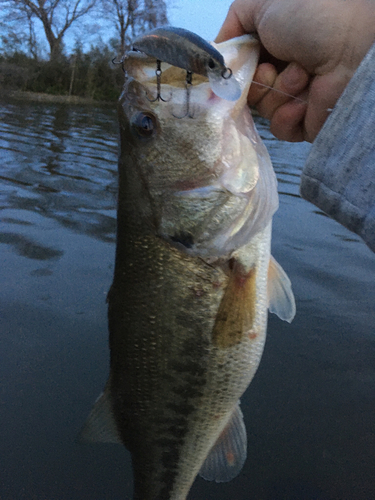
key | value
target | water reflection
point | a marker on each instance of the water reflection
(27, 248)
(61, 161)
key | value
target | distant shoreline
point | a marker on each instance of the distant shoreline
(42, 97)
(63, 99)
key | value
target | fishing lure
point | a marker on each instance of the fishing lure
(186, 50)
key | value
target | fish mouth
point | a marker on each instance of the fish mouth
(240, 55)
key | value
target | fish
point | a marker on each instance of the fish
(193, 280)
(185, 49)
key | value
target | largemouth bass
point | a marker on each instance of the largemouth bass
(193, 277)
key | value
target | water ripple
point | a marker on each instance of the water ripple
(61, 161)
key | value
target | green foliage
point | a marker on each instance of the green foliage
(15, 70)
(91, 74)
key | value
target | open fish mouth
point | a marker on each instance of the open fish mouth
(156, 74)
(183, 49)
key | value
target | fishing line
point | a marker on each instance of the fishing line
(280, 91)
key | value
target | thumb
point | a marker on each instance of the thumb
(239, 21)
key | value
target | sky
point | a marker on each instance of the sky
(203, 17)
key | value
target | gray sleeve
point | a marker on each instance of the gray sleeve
(339, 174)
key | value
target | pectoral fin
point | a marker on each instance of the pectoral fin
(280, 295)
(236, 312)
(227, 456)
(100, 426)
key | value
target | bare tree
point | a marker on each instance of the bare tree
(56, 16)
(31, 35)
(17, 29)
(154, 13)
(132, 17)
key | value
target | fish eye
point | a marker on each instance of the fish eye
(144, 124)
(211, 63)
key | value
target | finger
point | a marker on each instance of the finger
(263, 81)
(325, 90)
(287, 123)
(288, 84)
(231, 27)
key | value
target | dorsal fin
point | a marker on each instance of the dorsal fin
(228, 454)
(280, 295)
(100, 426)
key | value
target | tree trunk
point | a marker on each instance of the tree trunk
(53, 41)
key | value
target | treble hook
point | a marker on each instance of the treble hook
(158, 84)
(188, 85)
(114, 61)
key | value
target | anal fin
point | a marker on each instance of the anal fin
(226, 458)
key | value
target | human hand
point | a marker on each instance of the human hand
(310, 50)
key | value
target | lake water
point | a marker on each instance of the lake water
(309, 411)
